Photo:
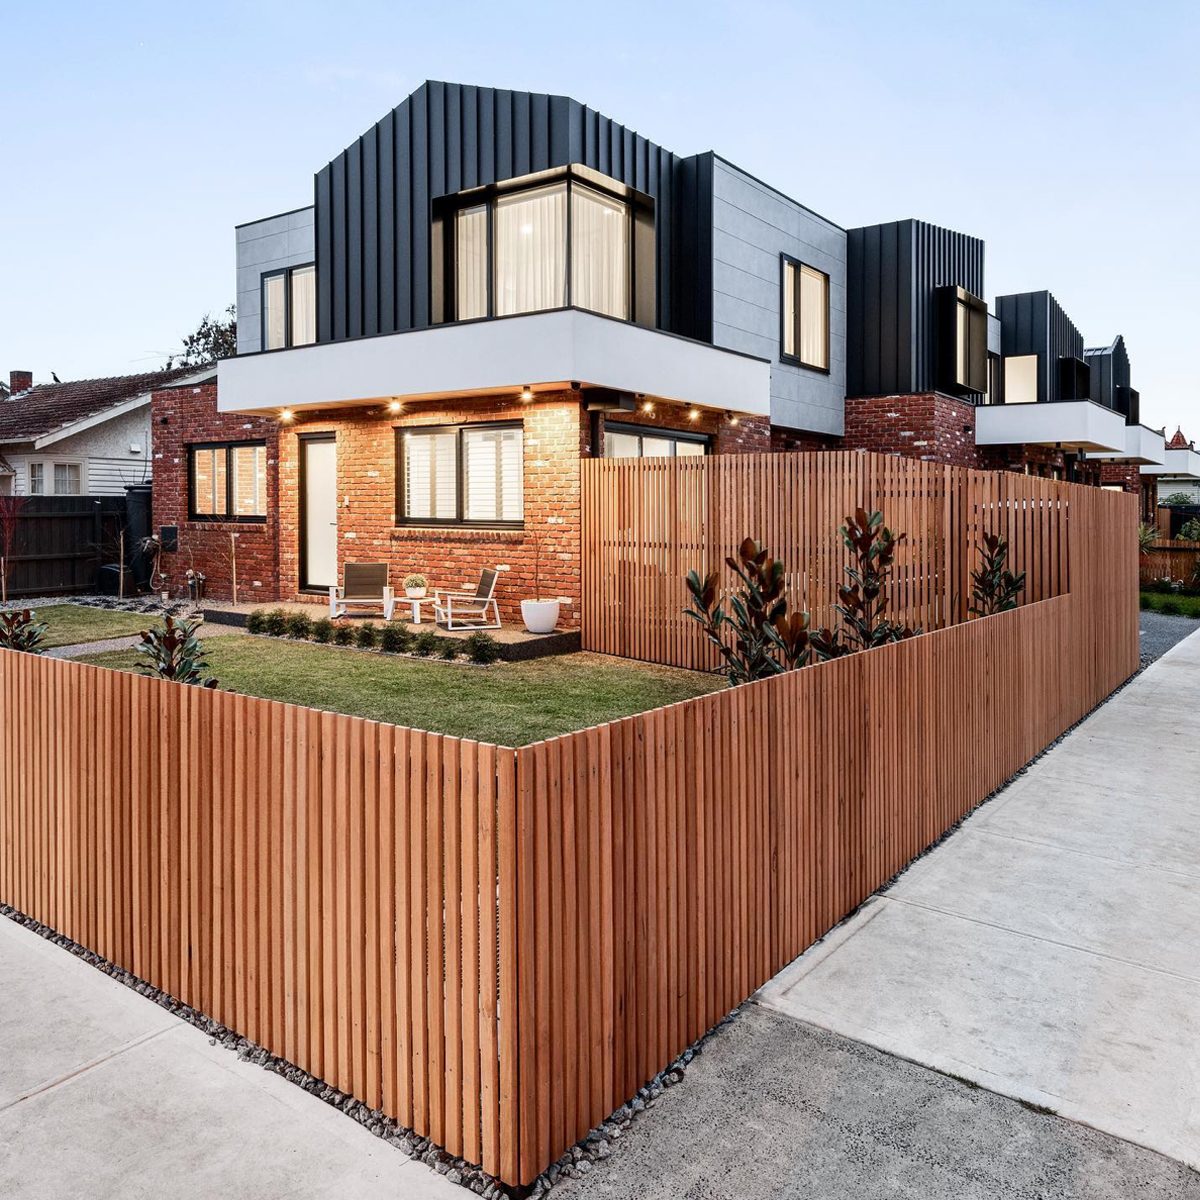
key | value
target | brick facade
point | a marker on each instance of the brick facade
(928, 426)
(179, 418)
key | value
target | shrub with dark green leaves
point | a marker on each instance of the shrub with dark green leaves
(395, 637)
(299, 625)
(343, 633)
(21, 630)
(322, 630)
(275, 622)
(426, 643)
(173, 651)
(1189, 531)
(256, 622)
(367, 636)
(1170, 607)
(994, 588)
(448, 649)
(482, 647)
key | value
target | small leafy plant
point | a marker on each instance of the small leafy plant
(173, 651)
(415, 580)
(426, 643)
(482, 647)
(21, 630)
(299, 625)
(395, 637)
(322, 630)
(367, 636)
(448, 649)
(256, 622)
(1189, 531)
(764, 640)
(1147, 536)
(343, 633)
(863, 601)
(275, 622)
(994, 588)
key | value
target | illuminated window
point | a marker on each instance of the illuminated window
(289, 308)
(634, 441)
(805, 315)
(1021, 379)
(461, 475)
(227, 481)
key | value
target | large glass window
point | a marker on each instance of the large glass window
(1021, 379)
(805, 315)
(227, 481)
(557, 245)
(467, 474)
(68, 479)
(289, 308)
(633, 441)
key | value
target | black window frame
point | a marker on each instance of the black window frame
(287, 273)
(952, 299)
(459, 521)
(228, 517)
(794, 360)
(654, 431)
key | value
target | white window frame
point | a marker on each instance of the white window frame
(48, 466)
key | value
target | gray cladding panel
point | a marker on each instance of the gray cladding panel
(271, 244)
(752, 226)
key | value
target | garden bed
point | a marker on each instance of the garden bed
(1170, 603)
(512, 704)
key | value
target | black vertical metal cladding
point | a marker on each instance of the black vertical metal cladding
(1110, 374)
(893, 275)
(373, 202)
(1035, 323)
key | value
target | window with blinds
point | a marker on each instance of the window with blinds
(227, 481)
(470, 474)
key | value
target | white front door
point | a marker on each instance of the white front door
(318, 508)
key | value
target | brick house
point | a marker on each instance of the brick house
(490, 285)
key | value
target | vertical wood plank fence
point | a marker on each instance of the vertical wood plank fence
(1172, 560)
(498, 946)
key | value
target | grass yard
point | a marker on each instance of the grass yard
(1164, 602)
(508, 703)
(70, 624)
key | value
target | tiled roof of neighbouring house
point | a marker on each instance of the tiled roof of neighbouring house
(1178, 441)
(49, 406)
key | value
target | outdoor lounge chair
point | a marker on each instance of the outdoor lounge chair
(469, 610)
(365, 586)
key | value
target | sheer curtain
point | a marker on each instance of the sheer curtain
(304, 306)
(470, 262)
(814, 318)
(531, 250)
(791, 288)
(599, 253)
(275, 311)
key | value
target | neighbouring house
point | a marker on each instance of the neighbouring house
(1180, 472)
(86, 437)
(490, 285)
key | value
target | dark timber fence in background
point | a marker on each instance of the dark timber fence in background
(498, 946)
(61, 543)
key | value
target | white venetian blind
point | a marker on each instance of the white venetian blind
(431, 475)
(304, 306)
(599, 253)
(493, 474)
(531, 250)
(470, 263)
(275, 311)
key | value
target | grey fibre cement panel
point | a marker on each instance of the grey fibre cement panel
(776, 1109)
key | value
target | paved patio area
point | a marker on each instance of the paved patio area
(103, 1094)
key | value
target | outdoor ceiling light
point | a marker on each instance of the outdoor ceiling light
(693, 413)
(732, 418)
(285, 414)
(526, 394)
(647, 407)
(395, 406)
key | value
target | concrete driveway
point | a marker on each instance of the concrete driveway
(1044, 960)
(103, 1094)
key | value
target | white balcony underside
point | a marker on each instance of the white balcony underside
(1142, 445)
(541, 350)
(1176, 464)
(1071, 425)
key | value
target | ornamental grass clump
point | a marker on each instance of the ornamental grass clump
(256, 622)
(448, 649)
(173, 651)
(366, 636)
(299, 626)
(426, 643)
(343, 633)
(482, 647)
(275, 622)
(395, 638)
(21, 630)
(322, 630)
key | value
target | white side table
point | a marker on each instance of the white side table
(416, 606)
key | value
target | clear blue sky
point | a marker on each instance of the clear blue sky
(1067, 135)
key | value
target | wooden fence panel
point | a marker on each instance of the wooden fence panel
(1171, 560)
(647, 522)
(325, 885)
(60, 542)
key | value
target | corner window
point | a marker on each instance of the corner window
(805, 311)
(553, 245)
(289, 308)
(461, 475)
(1021, 379)
(227, 481)
(634, 441)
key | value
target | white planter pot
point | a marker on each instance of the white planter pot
(416, 593)
(540, 616)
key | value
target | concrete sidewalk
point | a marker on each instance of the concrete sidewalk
(103, 1094)
(1050, 949)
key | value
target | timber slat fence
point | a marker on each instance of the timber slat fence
(1171, 560)
(647, 522)
(498, 946)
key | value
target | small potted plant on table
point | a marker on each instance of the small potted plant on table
(416, 586)
(540, 615)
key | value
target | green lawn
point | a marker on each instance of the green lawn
(1187, 606)
(508, 703)
(70, 624)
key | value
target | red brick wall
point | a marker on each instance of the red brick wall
(794, 439)
(735, 434)
(928, 426)
(180, 417)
